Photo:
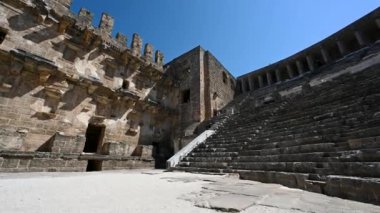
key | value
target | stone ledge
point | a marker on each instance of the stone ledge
(16, 161)
(354, 188)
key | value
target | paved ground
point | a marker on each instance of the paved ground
(157, 191)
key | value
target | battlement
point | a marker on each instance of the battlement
(83, 21)
(54, 11)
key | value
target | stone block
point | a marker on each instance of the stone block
(115, 148)
(301, 180)
(37, 169)
(76, 163)
(147, 152)
(361, 189)
(286, 179)
(79, 144)
(67, 144)
(109, 164)
(24, 163)
(10, 163)
(47, 163)
(73, 169)
(13, 170)
(313, 186)
(10, 139)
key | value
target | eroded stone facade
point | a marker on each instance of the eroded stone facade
(73, 98)
(203, 85)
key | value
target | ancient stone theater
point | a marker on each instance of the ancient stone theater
(75, 98)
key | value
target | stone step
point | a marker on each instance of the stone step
(210, 149)
(318, 147)
(295, 180)
(210, 165)
(299, 157)
(298, 167)
(359, 169)
(331, 125)
(367, 155)
(315, 110)
(260, 145)
(213, 154)
(362, 132)
(199, 170)
(208, 159)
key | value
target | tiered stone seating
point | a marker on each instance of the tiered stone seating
(326, 140)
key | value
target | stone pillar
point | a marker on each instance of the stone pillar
(251, 84)
(325, 55)
(261, 81)
(136, 45)
(278, 75)
(310, 62)
(159, 58)
(148, 52)
(269, 78)
(300, 67)
(342, 47)
(360, 38)
(290, 71)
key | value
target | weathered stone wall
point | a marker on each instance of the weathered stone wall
(58, 74)
(186, 77)
(209, 83)
(55, 162)
(221, 86)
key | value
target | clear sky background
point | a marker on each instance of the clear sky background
(243, 34)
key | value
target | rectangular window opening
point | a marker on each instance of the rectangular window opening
(186, 96)
(69, 54)
(3, 34)
(224, 77)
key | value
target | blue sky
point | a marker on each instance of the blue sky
(243, 34)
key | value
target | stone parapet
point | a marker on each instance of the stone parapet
(58, 162)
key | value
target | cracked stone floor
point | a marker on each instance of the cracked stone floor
(158, 191)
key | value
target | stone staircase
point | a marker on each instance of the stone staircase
(325, 139)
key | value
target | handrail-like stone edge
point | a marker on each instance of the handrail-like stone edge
(175, 159)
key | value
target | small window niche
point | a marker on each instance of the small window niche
(69, 54)
(224, 75)
(125, 85)
(186, 96)
(3, 34)
(139, 84)
(109, 71)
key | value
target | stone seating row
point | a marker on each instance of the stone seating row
(331, 132)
